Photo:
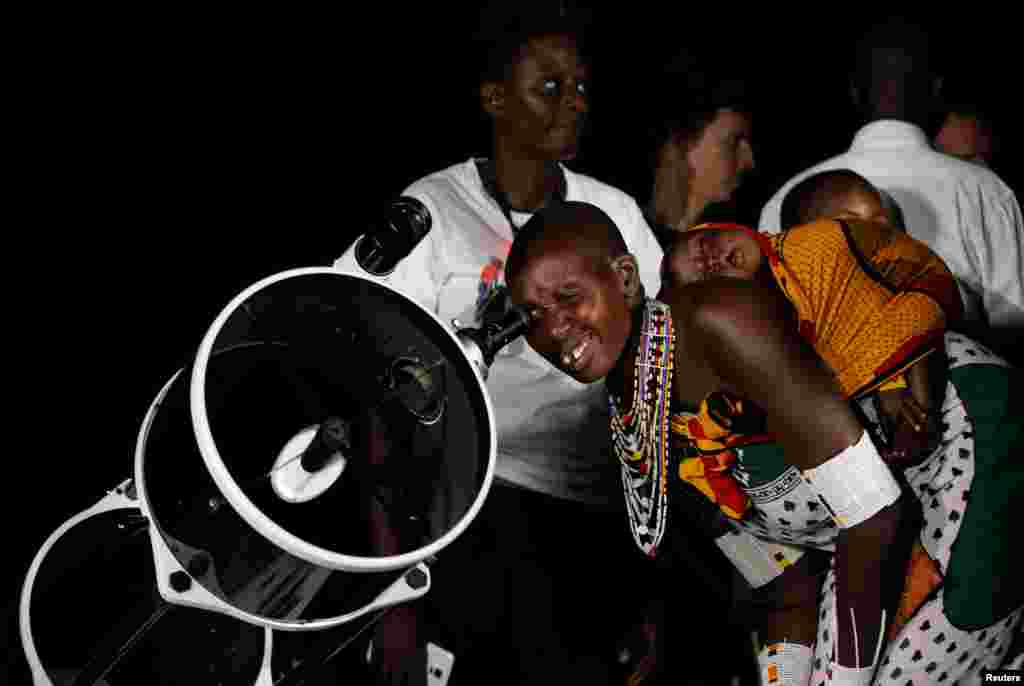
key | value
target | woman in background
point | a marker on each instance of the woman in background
(701, 138)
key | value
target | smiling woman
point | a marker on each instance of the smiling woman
(743, 411)
(562, 278)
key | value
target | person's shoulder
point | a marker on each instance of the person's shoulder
(589, 189)
(617, 204)
(977, 176)
(723, 306)
(835, 162)
(443, 180)
(974, 185)
(449, 193)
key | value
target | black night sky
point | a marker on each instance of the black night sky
(167, 160)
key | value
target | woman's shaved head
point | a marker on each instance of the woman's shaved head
(592, 232)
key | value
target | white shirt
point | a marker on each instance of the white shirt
(553, 434)
(962, 211)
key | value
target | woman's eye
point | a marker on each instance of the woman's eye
(550, 87)
(581, 87)
(537, 312)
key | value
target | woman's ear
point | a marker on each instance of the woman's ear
(628, 276)
(492, 98)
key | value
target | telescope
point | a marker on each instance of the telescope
(329, 438)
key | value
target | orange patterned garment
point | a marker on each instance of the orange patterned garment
(922, 578)
(870, 299)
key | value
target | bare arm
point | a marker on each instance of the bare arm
(749, 341)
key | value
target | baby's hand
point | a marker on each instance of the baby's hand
(913, 432)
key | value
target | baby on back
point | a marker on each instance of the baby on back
(849, 215)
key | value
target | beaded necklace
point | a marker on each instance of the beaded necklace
(640, 436)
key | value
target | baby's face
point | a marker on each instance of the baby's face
(856, 204)
(706, 253)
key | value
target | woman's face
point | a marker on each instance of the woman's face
(720, 157)
(540, 108)
(705, 253)
(579, 310)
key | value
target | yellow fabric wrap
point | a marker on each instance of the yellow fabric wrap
(870, 299)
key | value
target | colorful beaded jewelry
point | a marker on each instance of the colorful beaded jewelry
(640, 436)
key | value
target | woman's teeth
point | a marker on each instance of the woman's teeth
(578, 350)
(570, 358)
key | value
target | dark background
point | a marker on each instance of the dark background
(166, 160)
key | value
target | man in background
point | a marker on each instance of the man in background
(963, 211)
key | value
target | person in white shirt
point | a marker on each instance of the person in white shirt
(962, 211)
(524, 613)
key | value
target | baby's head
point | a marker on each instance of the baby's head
(716, 250)
(837, 194)
(712, 250)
